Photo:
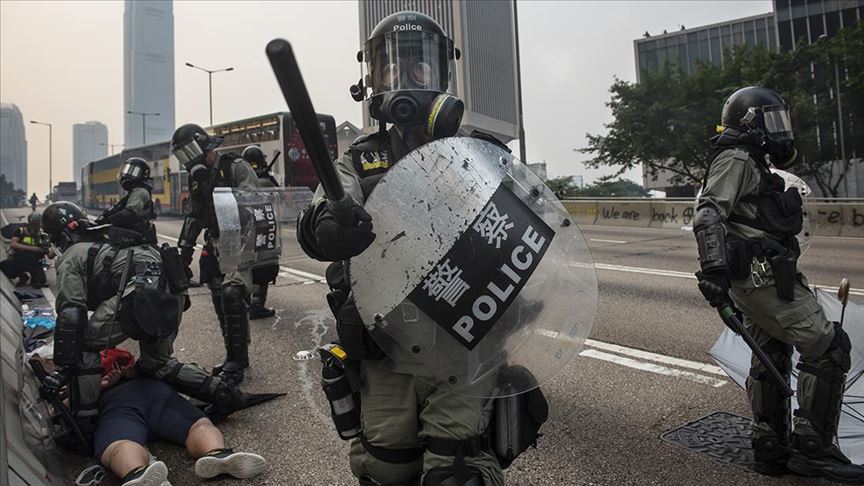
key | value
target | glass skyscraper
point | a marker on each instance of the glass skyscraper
(13, 146)
(805, 20)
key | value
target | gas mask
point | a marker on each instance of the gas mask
(408, 75)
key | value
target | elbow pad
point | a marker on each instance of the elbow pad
(69, 335)
(711, 239)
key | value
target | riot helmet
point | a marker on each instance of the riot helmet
(189, 144)
(409, 75)
(134, 172)
(764, 115)
(34, 221)
(255, 157)
(63, 222)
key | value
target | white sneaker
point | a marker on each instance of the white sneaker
(241, 465)
(156, 474)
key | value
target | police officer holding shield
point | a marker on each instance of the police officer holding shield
(194, 149)
(135, 211)
(746, 226)
(261, 277)
(410, 430)
(131, 291)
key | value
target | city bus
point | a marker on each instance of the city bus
(277, 133)
(102, 189)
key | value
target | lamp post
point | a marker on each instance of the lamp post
(143, 123)
(210, 82)
(839, 105)
(50, 153)
(112, 145)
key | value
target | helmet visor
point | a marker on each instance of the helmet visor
(777, 122)
(188, 153)
(131, 171)
(399, 61)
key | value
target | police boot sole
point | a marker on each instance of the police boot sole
(156, 474)
(261, 314)
(801, 468)
(240, 465)
(771, 469)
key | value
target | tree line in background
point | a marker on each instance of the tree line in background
(565, 187)
(665, 121)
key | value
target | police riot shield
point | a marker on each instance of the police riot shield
(251, 222)
(477, 271)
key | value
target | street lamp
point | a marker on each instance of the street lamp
(112, 145)
(50, 153)
(143, 123)
(210, 81)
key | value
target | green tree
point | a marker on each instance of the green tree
(619, 188)
(563, 187)
(665, 121)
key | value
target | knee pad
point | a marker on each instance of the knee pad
(447, 476)
(233, 299)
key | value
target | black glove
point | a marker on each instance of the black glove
(341, 242)
(53, 382)
(714, 287)
(186, 253)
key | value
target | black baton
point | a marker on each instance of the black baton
(732, 321)
(294, 91)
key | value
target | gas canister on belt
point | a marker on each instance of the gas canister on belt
(337, 389)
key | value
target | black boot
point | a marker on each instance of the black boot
(258, 311)
(820, 398)
(812, 459)
(770, 455)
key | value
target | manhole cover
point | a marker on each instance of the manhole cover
(720, 435)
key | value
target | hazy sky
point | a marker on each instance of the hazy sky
(62, 63)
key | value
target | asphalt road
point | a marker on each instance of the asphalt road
(637, 378)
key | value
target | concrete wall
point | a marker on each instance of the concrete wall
(844, 218)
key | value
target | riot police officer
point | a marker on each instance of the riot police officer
(195, 150)
(410, 430)
(261, 277)
(135, 211)
(746, 226)
(146, 307)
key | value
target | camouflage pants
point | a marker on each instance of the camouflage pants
(398, 411)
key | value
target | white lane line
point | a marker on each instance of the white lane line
(691, 276)
(653, 368)
(607, 241)
(659, 358)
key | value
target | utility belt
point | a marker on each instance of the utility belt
(515, 425)
(759, 260)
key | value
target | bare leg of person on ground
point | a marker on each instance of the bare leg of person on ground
(206, 443)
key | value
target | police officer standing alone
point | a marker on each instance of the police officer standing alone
(135, 211)
(194, 149)
(746, 226)
(410, 430)
(131, 292)
(261, 277)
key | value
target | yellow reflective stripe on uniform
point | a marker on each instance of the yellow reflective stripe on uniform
(28, 240)
(375, 164)
(433, 115)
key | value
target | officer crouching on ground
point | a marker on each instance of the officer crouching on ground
(132, 292)
(194, 149)
(135, 211)
(261, 277)
(746, 227)
(410, 430)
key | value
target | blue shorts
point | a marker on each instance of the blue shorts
(143, 410)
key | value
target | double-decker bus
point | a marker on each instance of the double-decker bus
(101, 188)
(274, 133)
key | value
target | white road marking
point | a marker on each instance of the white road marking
(607, 241)
(691, 276)
(653, 368)
(659, 358)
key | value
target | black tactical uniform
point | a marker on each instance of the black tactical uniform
(135, 211)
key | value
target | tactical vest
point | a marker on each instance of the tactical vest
(779, 211)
